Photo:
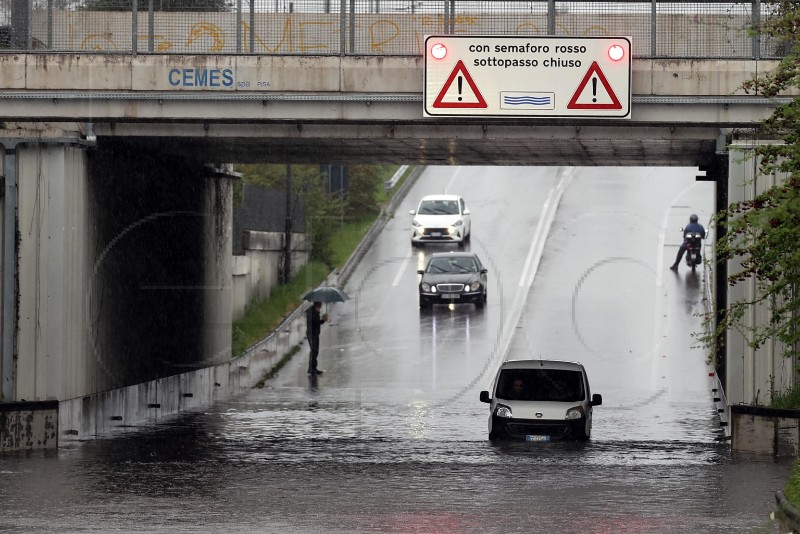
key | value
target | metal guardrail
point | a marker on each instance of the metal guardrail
(389, 184)
(673, 29)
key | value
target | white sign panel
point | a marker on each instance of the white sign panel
(527, 76)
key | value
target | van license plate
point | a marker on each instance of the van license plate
(436, 234)
(537, 438)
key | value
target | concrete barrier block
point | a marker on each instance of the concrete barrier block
(240, 266)
(398, 74)
(787, 437)
(75, 71)
(288, 73)
(28, 425)
(13, 69)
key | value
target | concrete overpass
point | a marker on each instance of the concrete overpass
(367, 109)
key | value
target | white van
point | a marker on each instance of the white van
(540, 400)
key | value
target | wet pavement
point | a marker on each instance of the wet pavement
(392, 438)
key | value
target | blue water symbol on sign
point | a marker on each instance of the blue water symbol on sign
(520, 100)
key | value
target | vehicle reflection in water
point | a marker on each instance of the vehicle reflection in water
(693, 294)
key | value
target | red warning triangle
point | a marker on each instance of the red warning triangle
(439, 102)
(614, 104)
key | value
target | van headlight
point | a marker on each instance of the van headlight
(502, 411)
(458, 223)
(416, 223)
(574, 413)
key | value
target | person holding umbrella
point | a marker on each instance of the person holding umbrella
(314, 320)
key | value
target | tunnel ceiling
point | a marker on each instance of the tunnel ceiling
(534, 151)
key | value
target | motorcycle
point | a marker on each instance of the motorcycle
(693, 256)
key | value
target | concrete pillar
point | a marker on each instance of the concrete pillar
(53, 351)
(751, 373)
(218, 296)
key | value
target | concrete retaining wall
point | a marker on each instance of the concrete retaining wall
(28, 425)
(257, 272)
(760, 430)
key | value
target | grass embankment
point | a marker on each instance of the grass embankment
(790, 399)
(261, 318)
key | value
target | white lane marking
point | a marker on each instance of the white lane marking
(402, 269)
(549, 209)
(659, 313)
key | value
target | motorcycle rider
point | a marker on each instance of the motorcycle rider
(692, 227)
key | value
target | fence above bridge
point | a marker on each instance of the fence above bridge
(676, 29)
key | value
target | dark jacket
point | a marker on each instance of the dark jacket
(313, 322)
(694, 227)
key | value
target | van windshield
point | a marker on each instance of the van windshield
(556, 385)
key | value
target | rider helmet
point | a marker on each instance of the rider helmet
(693, 218)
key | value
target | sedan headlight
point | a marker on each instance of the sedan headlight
(503, 411)
(574, 413)
(475, 286)
(416, 223)
(458, 223)
(425, 286)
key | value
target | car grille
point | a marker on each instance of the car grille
(441, 231)
(450, 288)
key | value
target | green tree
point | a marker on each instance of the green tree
(364, 183)
(764, 233)
(322, 210)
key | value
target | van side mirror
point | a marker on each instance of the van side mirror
(485, 396)
(412, 212)
(466, 211)
(597, 399)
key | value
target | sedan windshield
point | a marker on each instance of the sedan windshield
(438, 207)
(452, 265)
(556, 385)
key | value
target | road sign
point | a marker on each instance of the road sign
(527, 76)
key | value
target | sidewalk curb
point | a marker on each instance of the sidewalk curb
(791, 515)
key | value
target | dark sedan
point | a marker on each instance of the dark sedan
(453, 278)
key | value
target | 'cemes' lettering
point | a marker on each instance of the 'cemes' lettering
(201, 77)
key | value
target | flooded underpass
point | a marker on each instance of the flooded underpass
(393, 437)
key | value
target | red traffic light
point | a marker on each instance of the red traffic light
(438, 51)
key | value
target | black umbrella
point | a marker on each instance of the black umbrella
(326, 294)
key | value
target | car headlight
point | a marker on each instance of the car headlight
(574, 413)
(425, 286)
(503, 411)
(433, 289)
(415, 223)
(458, 223)
(472, 287)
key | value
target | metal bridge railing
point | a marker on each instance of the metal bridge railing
(660, 28)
